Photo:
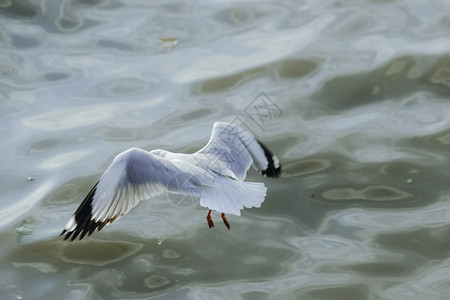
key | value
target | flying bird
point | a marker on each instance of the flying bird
(215, 174)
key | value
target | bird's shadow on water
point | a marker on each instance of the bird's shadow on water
(117, 264)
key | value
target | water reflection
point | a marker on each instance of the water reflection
(290, 69)
(70, 17)
(335, 292)
(429, 243)
(88, 115)
(371, 193)
(305, 167)
(98, 253)
(36, 192)
(377, 269)
(18, 9)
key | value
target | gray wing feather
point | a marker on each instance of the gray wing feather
(134, 175)
(236, 148)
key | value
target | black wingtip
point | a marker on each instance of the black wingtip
(83, 219)
(274, 167)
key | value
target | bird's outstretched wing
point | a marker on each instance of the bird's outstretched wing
(238, 149)
(134, 175)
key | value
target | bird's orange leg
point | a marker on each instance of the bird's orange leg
(209, 220)
(225, 220)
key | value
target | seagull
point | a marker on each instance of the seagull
(215, 174)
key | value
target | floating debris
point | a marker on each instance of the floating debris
(30, 178)
(169, 42)
(161, 240)
(409, 180)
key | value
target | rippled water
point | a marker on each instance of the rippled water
(353, 96)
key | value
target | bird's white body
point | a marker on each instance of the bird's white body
(215, 174)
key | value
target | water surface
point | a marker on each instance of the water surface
(351, 95)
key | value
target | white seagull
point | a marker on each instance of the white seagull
(215, 174)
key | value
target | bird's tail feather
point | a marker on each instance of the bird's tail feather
(230, 196)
